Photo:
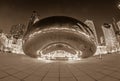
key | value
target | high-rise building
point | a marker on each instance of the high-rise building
(90, 23)
(17, 31)
(118, 24)
(117, 31)
(33, 19)
(110, 37)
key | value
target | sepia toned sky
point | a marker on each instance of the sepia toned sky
(19, 11)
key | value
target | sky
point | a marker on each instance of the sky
(13, 12)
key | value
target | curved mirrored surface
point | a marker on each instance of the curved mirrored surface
(59, 33)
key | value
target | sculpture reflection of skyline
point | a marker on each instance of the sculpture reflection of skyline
(108, 43)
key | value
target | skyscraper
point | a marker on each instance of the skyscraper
(90, 23)
(118, 24)
(118, 32)
(109, 35)
(33, 19)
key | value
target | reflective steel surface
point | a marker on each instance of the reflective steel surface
(59, 33)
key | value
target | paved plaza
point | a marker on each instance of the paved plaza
(23, 68)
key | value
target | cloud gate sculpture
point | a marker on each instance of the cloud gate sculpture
(59, 35)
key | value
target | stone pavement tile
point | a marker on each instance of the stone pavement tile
(117, 70)
(79, 73)
(11, 71)
(33, 78)
(95, 75)
(33, 68)
(68, 79)
(76, 74)
(1, 66)
(41, 74)
(116, 75)
(21, 68)
(85, 78)
(111, 68)
(53, 75)
(64, 71)
(9, 79)
(105, 71)
(2, 74)
(20, 75)
(45, 70)
(28, 71)
(54, 70)
(114, 69)
(4, 67)
(107, 78)
(74, 69)
(66, 75)
(50, 79)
